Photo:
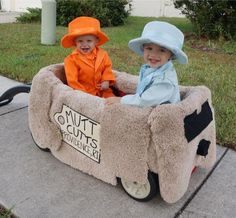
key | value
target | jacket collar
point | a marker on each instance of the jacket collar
(97, 54)
(147, 75)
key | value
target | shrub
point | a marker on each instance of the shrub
(109, 12)
(213, 19)
(33, 15)
(67, 10)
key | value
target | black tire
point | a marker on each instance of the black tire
(149, 190)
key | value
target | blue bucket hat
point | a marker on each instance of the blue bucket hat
(162, 34)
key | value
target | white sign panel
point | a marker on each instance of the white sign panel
(79, 131)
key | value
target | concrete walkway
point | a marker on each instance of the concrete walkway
(37, 185)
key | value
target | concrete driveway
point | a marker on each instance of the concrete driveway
(35, 184)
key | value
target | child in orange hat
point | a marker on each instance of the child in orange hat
(88, 68)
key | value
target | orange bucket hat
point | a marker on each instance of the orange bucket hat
(83, 26)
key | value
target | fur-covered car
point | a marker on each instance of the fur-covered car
(145, 148)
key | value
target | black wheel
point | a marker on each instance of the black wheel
(141, 192)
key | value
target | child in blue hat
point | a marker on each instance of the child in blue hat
(159, 44)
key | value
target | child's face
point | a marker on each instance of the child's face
(86, 43)
(155, 55)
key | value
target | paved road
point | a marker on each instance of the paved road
(37, 185)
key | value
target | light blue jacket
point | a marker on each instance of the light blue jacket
(155, 86)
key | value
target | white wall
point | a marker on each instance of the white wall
(154, 8)
(145, 8)
(20, 5)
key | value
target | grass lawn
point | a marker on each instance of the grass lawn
(211, 63)
(4, 213)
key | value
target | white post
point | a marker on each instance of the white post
(48, 22)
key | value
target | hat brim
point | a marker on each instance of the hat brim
(136, 45)
(68, 40)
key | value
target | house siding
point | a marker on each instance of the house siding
(154, 8)
(143, 8)
(20, 5)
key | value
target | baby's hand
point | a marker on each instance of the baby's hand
(104, 85)
(112, 100)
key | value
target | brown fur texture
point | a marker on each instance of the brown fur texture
(132, 140)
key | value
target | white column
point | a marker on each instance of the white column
(48, 22)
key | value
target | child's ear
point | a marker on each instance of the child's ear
(97, 40)
(172, 57)
(142, 47)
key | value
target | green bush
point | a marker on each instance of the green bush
(33, 15)
(213, 19)
(109, 12)
(67, 10)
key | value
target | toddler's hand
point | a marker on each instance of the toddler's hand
(104, 85)
(112, 100)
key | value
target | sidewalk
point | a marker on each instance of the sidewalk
(38, 185)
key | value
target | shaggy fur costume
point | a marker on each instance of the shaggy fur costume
(168, 139)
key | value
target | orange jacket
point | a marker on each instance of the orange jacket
(85, 72)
